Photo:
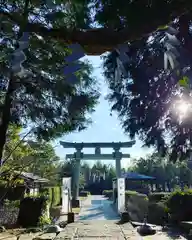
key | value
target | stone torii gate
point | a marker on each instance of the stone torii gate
(78, 155)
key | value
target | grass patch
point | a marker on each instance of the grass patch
(76, 210)
(82, 198)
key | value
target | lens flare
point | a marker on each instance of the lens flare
(181, 109)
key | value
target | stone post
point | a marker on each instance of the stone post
(117, 157)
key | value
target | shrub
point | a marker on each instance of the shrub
(47, 192)
(108, 193)
(55, 212)
(44, 220)
(12, 193)
(132, 196)
(84, 193)
(157, 213)
(11, 204)
(131, 193)
(56, 196)
(159, 196)
(50, 196)
(136, 205)
(32, 211)
(178, 205)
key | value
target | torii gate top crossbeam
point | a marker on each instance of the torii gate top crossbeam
(98, 144)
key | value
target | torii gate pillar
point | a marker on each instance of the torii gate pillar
(118, 156)
(76, 173)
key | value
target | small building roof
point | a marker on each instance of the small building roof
(32, 177)
(136, 176)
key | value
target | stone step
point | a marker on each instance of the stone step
(45, 236)
(7, 236)
(99, 230)
(163, 236)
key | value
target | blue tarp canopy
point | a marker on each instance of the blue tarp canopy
(136, 176)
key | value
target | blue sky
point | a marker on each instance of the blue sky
(105, 128)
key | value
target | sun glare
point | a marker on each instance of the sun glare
(181, 108)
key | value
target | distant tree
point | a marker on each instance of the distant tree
(45, 161)
(163, 170)
(21, 155)
(86, 171)
(67, 168)
(16, 156)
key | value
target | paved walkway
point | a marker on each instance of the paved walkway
(98, 220)
(97, 208)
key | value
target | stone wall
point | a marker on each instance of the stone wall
(8, 216)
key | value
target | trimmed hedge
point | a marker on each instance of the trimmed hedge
(54, 195)
(159, 207)
(131, 193)
(157, 213)
(108, 193)
(84, 193)
(179, 206)
(174, 207)
(159, 196)
(136, 204)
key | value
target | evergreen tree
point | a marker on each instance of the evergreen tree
(150, 100)
(38, 95)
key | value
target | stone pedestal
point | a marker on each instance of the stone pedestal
(121, 194)
(70, 217)
(66, 195)
(75, 203)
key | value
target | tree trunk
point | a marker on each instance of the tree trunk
(184, 25)
(6, 113)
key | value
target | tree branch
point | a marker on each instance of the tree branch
(99, 40)
(17, 145)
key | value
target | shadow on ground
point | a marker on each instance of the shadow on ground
(103, 211)
(174, 234)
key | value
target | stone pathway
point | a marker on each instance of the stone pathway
(164, 236)
(98, 220)
(101, 229)
(97, 208)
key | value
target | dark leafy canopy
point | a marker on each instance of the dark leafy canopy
(146, 101)
(42, 97)
(120, 21)
(135, 14)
